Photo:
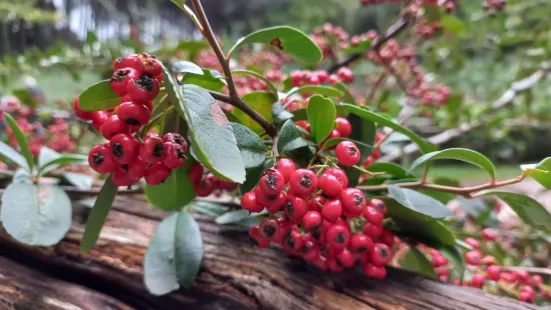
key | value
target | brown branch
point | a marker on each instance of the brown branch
(378, 83)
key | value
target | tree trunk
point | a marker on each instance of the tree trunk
(234, 274)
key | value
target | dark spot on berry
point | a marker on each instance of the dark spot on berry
(289, 207)
(159, 150)
(358, 199)
(270, 230)
(124, 167)
(97, 158)
(307, 247)
(179, 139)
(339, 263)
(145, 82)
(117, 149)
(272, 180)
(287, 235)
(277, 43)
(316, 234)
(179, 153)
(340, 238)
(133, 122)
(120, 75)
(361, 249)
(291, 242)
(272, 197)
(352, 150)
(305, 181)
(383, 253)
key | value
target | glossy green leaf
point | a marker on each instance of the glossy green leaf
(36, 214)
(419, 202)
(528, 209)
(79, 180)
(424, 145)
(208, 208)
(209, 130)
(465, 155)
(98, 215)
(347, 97)
(321, 115)
(455, 257)
(10, 154)
(290, 142)
(25, 96)
(49, 159)
(21, 141)
(253, 150)
(316, 89)
(396, 171)
(175, 192)
(270, 86)
(254, 174)
(359, 48)
(290, 40)
(279, 114)
(210, 79)
(233, 217)
(262, 103)
(416, 261)
(301, 114)
(174, 255)
(98, 97)
(364, 131)
(540, 172)
(187, 67)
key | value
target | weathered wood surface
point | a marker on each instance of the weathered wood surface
(234, 274)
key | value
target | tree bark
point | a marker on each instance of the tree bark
(234, 273)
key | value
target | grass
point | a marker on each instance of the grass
(466, 172)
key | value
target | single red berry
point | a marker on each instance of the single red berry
(124, 148)
(136, 169)
(349, 214)
(522, 276)
(99, 118)
(347, 153)
(269, 228)
(488, 260)
(345, 258)
(320, 262)
(295, 207)
(130, 61)
(293, 242)
(443, 275)
(174, 157)
(203, 188)
(144, 88)
(84, 115)
(334, 266)
(380, 255)
(285, 227)
(439, 261)
(360, 244)
(286, 167)
(473, 257)
(378, 204)
(373, 215)
(263, 199)
(121, 78)
(133, 114)
(346, 75)
(527, 288)
(368, 161)
(275, 205)
(310, 251)
(343, 222)
(338, 237)
(510, 277)
(343, 126)
(311, 220)
(315, 203)
(493, 272)
(489, 234)
(121, 177)
(372, 271)
(152, 149)
(176, 138)
(227, 185)
(372, 230)
(526, 297)
(376, 155)
(195, 172)
(387, 237)
(330, 185)
(260, 240)
(101, 160)
(353, 200)
(340, 174)
(113, 126)
(304, 181)
(156, 174)
(472, 242)
(150, 65)
(271, 182)
(331, 210)
(536, 280)
(477, 280)
(334, 134)
(249, 203)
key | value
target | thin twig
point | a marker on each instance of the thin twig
(378, 83)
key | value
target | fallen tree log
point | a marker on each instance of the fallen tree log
(234, 274)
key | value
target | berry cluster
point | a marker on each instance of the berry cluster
(329, 38)
(495, 5)
(320, 218)
(206, 184)
(301, 78)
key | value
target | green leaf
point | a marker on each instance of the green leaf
(424, 145)
(452, 25)
(270, 86)
(253, 150)
(316, 89)
(396, 171)
(175, 192)
(209, 130)
(210, 79)
(279, 114)
(540, 172)
(364, 131)
(49, 159)
(187, 67)
(261, 102)
(253, 175)
(21, 141)
(455, 258)
(347, 97)
(10, 154)
(416, 261)
(98, 215)
(301, 115)
(91, 38)
(174, 255)
(79, 180)
(36, 214)
(208, 208)
(25, 96)
(289, 142)
(433, 13)
(321, 115)
(359, 48)
(465, 155)
(98, 97)
(528, 209)
(233, 217)
(290, 40)
(419, 202)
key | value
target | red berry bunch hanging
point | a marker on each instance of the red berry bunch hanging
(318, 217)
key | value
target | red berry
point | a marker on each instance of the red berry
(101, 160)
(536, 280)
(295, 207)
(176, 138)
(284, 228)
(249, 203)
(380, 255)
(156, 174)
(152, 149)
(379, 136)
(378, 204)
(320, 262)
(84, 115)
(376, 155)
(130, 61)
(195, 172)
(330, 185)
(286, 167)
(338, 237)
(136, 169)
(493, 273)
(262, 198)
(260, 240)
(133, 114)
(510, 277)
(293, 242)
(99, 118)
(360, 244)
(272, 182)
(489, 234)
(472, 242)
(526, 297)
(353, 200)
(345, 258)
(150, 65)
(522, 276)
(121, 78)
(144, 88)
(477, 280)
(121, 178)
(343, 126)
(340, 174)
(374, 216)
(315, 203)
(124, 148)
(304, 181)
(387, 237)
(372, 271)
(347, 153)
(275, 205)
(372, 230)
(334, 265)
(203, 188)
(311, 220)
(346, 75)
(332, 209)
(473, 257)
(113, 126)
(174, 157)
(439, 261)
(269, 228)
(310, 251)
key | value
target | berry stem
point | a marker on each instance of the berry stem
(145, 129)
